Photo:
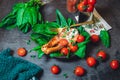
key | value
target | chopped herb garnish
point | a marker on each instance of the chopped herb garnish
(73, 36)
(63, 36)
(65, 75)
(74, 31)
(28, 42)
(30, 51)
(71, 41)
(68, 29)
(33, 56)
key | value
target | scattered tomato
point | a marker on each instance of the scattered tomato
(80, 38)
(79, 71)
(81, 7)
(95, 38)
(55, 69)
(114, 64)
(64, 51)
(63, 42)
(21, 52)
(102, 54)
(92, 2)
(90, 8)
(73, 48)
(91, 61)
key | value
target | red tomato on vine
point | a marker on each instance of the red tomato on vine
(92, 2)
(81, 7)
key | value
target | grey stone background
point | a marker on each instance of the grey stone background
(109, 10)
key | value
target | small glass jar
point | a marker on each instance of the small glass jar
(71, 5)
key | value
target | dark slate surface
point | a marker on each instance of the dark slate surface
(110, 11)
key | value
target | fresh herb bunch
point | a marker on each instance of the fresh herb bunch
(42, 34)
(23, 16)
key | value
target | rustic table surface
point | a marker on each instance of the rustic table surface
(109, 10)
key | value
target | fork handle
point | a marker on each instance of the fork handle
(83, 23)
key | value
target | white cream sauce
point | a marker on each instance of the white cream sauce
(69, 34)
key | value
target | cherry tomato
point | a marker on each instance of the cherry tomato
(81, 7)
(92, 2)
(91, 61)
(95, 38)
(71, 5)
(102, 54)
(55, 69)
(85, 2)
(90, 8)
(73, 48)
(63, 42)
(80, 38)
(21, 52)
(64, 51)
(79, 71)
(114, 64)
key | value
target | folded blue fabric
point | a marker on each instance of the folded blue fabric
(12, 68)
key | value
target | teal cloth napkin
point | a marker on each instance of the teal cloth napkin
(13, 68)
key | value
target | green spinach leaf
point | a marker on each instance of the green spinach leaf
(105, 38)
(60, 19)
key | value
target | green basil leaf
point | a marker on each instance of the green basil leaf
(34, 36)
(27, 28)
(19, 16)
(36, 48)
(57, 54)
(21, 27)
(1, 24)
(105, 38)
(40, 19)
(24, 27)
(41, 41)
(53, 25)
(27, 17)
(9, 16)
(34, 13)
(8, 21)
(39, 28)
(81, 51)
(86, 35)
(10, 27)
(83, 43)
(60, 19)
(80, 29)
(40, 53)
(70, 22)
(44, 29)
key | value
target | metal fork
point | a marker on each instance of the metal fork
(74, 25)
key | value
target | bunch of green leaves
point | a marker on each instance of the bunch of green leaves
(105, 38)
(42, 33)
(23, 15)
(82, 46)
